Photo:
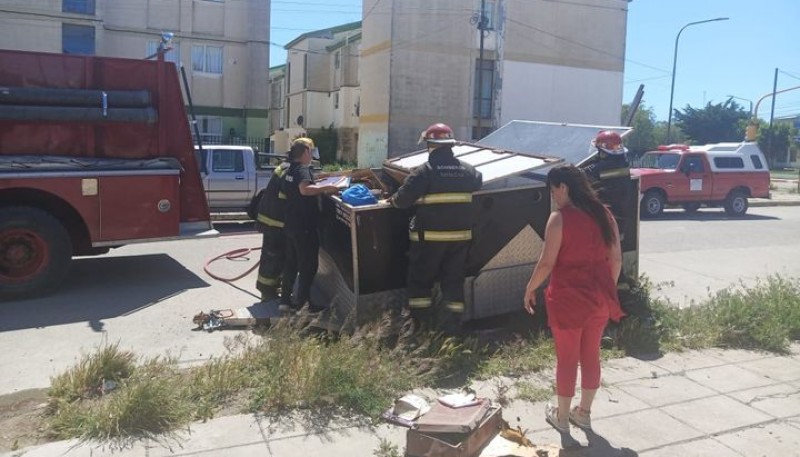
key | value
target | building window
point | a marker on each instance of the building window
(207, 58)
(210, 128)
(336, 100)
(78, 6)
(77, 39)
(173, 55)
(482, 103)
(337, 57)
(489, 13)
(305, 71)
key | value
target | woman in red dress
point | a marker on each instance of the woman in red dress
(583, 259)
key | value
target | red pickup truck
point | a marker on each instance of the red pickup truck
(721, 174)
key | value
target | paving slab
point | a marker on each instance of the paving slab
(784, 369)
(737, 355)
(76, 448)
(665, 390)
(340, 443)
(716, 414)
(698, 448)
(780, 400)
(628, 369)
(776, 439)
(728, 378)
(679, 362)
(613, 401)
(644, 430)
(223, 433)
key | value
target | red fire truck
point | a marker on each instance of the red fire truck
(95, 153)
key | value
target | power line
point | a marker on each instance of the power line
(587, 5)
(789, 74)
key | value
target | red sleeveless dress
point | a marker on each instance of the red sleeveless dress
(581, 285)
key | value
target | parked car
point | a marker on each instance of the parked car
(721, 174)
(234, 176)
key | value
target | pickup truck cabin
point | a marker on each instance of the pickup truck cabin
(721, 174)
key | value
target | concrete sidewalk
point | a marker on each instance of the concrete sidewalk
(706, 403)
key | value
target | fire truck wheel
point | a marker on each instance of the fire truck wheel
(691, 207)
(35, 252)
(652, 204)
(736, 204)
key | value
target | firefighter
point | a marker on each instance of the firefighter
(269, 221)
(441, 229)
(300, 226)
(610, 175)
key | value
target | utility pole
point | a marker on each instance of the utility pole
(481, 29)
(772, 116)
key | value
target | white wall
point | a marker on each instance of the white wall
(541, 92)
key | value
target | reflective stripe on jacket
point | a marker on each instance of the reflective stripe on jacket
(272, 206)
(442, 190)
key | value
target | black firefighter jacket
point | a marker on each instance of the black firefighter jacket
(442, 190)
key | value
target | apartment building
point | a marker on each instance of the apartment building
(320, 83)
(543, 60)
(222, 44)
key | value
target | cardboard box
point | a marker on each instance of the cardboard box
(420, 444)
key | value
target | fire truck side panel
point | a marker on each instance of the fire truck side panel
(139, 207)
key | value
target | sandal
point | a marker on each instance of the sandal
(581, 418)
(551, 417)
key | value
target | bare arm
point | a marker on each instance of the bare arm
(547, 259)
(615, 251)
(307, 189)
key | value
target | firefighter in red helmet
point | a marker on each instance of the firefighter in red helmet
(440, 231)
(610, 173)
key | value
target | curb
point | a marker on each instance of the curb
(766, 203)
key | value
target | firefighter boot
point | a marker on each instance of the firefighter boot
(451, 324)
(415, 323)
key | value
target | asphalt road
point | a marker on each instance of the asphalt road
(144, 296)
(695, 255)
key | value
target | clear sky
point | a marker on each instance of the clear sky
(734, 57)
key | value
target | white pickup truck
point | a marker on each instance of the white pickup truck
(233, 175)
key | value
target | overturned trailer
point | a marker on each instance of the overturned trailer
(363, 260)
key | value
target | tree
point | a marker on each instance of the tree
(641, 139)
(782, 140)
(712, 124)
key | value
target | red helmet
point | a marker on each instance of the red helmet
(438, 134)
(609, 141)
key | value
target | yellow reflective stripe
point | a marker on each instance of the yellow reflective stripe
(281, 196)
(280, 171)
(269, 221)
(417, 302)
(268, 281)
(455, 306)
(615, 173)
(442, 235)
(446, 197)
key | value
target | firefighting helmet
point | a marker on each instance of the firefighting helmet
(309, 143)
(438, 134)
(610, 142)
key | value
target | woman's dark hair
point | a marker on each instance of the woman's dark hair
(582, 196)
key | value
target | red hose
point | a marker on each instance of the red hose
(231, 255)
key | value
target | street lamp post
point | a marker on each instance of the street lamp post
(674, 63)
(746, 100)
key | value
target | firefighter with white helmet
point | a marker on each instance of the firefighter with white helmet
(441, 230)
